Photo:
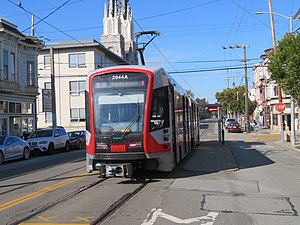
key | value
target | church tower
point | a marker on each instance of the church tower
(118, 31)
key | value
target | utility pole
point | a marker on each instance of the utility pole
(290, 18)
(247, 117)
(278, 84)
(53, 100)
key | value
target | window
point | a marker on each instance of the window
(109, 62)
(27, 108)
(275, 91)
(3, 107)
(77, 87)
(30, 73)
(47, 85)
(159, 115)
(48, 117)
(12, 107)
(77, 114)
(5, 65)
(77, 60)
(47, 64)
(12, 67)
(99, 61)
(275, 119)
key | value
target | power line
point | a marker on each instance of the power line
(54, 11)
(210, 70)
(179, 10)
(47, 23)
(211, 61)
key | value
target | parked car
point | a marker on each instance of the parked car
(77, 139)
(228, 121)
(48, 140)
(12, 147)
(234, 127)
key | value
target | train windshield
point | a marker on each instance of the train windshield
(119, 112)
(119, 104)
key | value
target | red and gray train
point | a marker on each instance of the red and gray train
(137, 117)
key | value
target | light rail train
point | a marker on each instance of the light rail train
(137, 117)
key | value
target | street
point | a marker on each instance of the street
(247, 181)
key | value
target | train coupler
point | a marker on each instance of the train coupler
(115, 170)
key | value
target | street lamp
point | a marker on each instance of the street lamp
(290, 18)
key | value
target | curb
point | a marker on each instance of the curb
(227, 146)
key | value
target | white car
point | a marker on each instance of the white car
(48, 140)
(12, 147)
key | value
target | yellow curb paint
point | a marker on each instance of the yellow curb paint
(54, 224)
(39, 193)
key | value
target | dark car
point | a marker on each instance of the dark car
(12, 147)
(77, 139)
(234, 127)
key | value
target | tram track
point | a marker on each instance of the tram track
(120, 202)
(35, 212)
(110, 209)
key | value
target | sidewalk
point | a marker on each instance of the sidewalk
(210, 156)
(275, 136)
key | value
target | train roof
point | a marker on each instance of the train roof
(153, 69)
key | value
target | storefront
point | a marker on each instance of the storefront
(16, 117)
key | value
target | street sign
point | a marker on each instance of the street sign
(280, 107)
(212, 107)
(47, 100)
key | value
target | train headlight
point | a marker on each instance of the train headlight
(135, 145)
(102, 146)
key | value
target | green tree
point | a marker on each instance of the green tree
(233, 101)
(284, 64)
(203, 112)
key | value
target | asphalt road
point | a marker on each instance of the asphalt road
(246, 181)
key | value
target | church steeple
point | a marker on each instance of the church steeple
(118, 31)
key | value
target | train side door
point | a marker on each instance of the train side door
(172, 122)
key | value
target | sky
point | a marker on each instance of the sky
(192, 33)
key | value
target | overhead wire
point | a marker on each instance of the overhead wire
(179, 10)
(48, 23)
(153, 43)
(51, 13)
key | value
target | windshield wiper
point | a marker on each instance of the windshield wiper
(135, 120)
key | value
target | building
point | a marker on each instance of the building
(266, 96)
(18, 80)
(73, 60)
(118, 30)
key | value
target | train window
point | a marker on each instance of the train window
(159, 115)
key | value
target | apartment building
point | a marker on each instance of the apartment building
(73, 60)
(18, 80)
(266, 96)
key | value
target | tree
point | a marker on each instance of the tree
(233, 101)
(203, 112)
(284, 64)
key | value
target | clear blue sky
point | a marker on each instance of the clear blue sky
(192, 33)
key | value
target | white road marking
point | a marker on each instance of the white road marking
(155, 213)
